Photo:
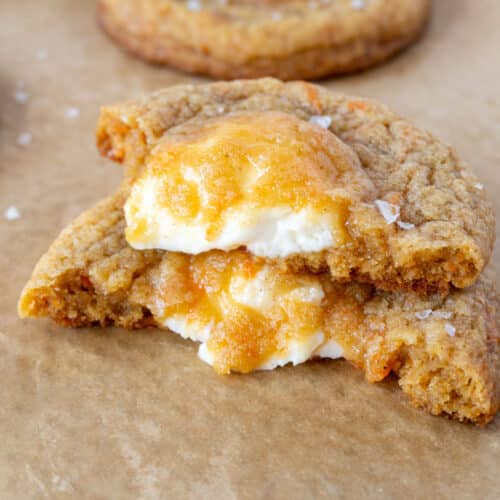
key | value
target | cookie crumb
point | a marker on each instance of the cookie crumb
(41, 54)
(72, 112)
(405, 225)
(21, 96)
(442, 314)
(358, 4)
(12, 213)
(450, 329)
(423, 314)
(193, 5)
(324, 121)
(389, 211)
(24, 139)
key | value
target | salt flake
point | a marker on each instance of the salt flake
(24, 139)
(423, 314)
(72, 113)
(405, 225)
(442, 314)
(450, 329)
(12, 213)
(323, 121)
(193, 5)
(389, 211)
(21, 96)
(358, 4)
(479, 186)
(41, 54)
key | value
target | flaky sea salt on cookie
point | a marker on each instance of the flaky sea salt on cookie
(300, 176)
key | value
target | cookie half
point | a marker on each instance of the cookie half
(251, 315)
(230, 39)
(302, 177)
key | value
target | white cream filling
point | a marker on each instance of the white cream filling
(295, 352)
(188, 330)
(267, 232)
(329, 349)
(259, 294)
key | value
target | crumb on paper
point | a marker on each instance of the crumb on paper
(193, 5)
(389, 211)
(423, 314)
(24, 139)
(405, 225)
(12, 213)
(358, 4)
(450, 329)
(72, 112)
(323, 121)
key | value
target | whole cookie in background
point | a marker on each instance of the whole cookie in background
(288, 39)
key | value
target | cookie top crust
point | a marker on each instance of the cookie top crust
(437, 225)
(243, 38)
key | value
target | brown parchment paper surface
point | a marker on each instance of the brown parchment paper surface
(109, 414)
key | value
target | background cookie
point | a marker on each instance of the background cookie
(246, 39)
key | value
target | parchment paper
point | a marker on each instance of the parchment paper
(108, 414)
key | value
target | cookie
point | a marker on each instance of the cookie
(249, 314)
(303, 177)
(290, 40)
